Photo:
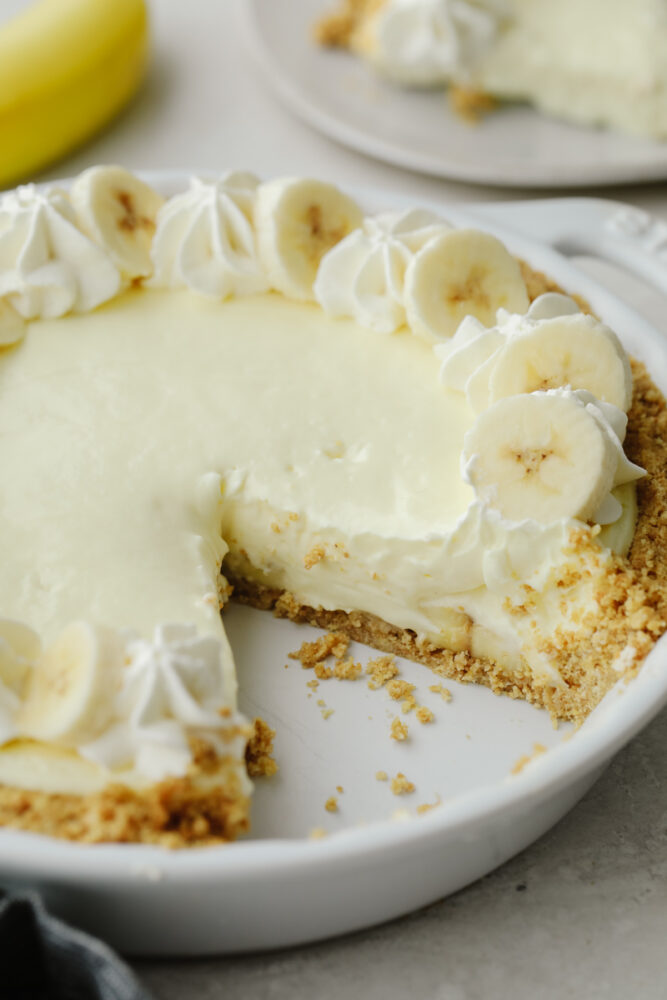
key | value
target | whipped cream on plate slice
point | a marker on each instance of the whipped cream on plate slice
(429, 42)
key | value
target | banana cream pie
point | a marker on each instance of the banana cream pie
(381, 425)
(597, 62)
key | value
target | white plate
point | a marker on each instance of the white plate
(280, 888)
(516, 146)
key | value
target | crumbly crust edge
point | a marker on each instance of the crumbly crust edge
(174, 813)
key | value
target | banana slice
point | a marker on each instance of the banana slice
(12, 326)
(462, 273)
(576, 350)
(297, 222)
(19, 649)
(542, 456)
(118, 211)
(70, 696)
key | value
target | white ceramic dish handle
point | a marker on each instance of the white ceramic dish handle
(618, 233)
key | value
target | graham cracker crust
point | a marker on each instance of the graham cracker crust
(174, 813)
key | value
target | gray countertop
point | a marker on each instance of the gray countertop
(581, 913)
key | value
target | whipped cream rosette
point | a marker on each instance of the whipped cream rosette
(48, 267)
(427, 42)
(363, 276)
(119, 700)
(205, 239)
(171, 691)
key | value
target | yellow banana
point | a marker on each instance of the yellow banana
(66, 67)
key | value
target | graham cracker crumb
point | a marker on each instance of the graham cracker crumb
(317, 833)
(316, 554)
(400, 785)
(381, 776)
(469, 104)
(310, 654)
(538, 749)
(339, 28)
(440, 689)
(398, 689)
(339, 789)
(331, 804)
(259, 758)
(327, 713)
(313, 685)
(425, 715)
(399, 730)
(381, 670)
(347, 670)
(426, 807)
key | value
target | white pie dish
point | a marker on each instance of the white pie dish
(282, 888)
(342, 97)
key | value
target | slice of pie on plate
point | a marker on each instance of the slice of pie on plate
(593, 62)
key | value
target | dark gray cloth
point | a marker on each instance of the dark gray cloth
(41, 958)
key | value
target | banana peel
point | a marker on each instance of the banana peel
(66, 68)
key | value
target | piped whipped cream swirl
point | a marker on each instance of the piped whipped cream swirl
(363, 276)
(429, 42)
(205, 239)
(48, 267)
(172, 690)
(121, 701)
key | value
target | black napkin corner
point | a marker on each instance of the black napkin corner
(42, 958)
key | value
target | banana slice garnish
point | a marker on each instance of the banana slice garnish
(19, 649)
(12, 325)
(297, 222)
(542, 456)
(577, 351)
(70, 694)
(118, 211)
(462, 273)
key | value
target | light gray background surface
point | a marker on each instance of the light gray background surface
(582, 913)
